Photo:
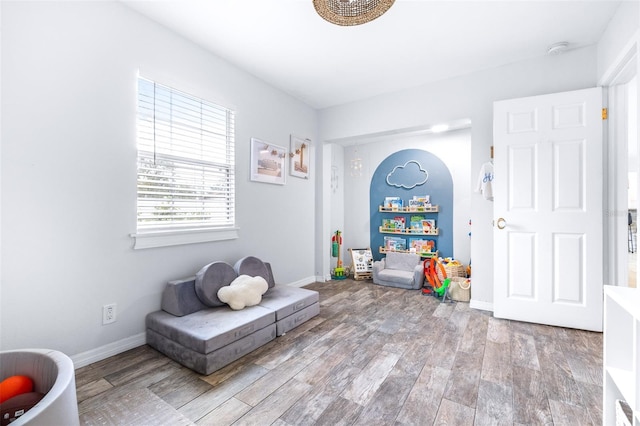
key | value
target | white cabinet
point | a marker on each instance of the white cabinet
(621, 360)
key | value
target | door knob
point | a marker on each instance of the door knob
(501, 223)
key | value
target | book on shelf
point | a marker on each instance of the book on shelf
(393, 203)
(400, 223)
(422, 245)
(388, 224)
(419, 203)
(415, 223)
(395, 244)
(428, 225)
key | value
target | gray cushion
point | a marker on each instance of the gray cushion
(179, 297)
(212, 361)
(402, 261)
(299, 317)
(285, 300)
(254, 267)
(210, 279)
(210, 329)
(393, 275)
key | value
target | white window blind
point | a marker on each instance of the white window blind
(186, 171)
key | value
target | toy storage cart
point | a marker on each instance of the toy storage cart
(362, 263)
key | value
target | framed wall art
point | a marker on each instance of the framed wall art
(299, 157)
(267, 162)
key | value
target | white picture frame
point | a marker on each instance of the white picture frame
(268, 163)
(299, 157)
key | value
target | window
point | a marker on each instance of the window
(186, 171)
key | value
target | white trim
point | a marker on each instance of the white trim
(619, 69)
(302, 282)
(104, 352)
(481, 305)
(174, 238)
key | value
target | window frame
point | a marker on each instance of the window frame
(177, 232)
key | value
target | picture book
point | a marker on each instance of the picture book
(415, 223)
(400, 223)
(393, 203)
(428, 225)
(419, 203)
(422, 245)
(388, 224)
(395, 244)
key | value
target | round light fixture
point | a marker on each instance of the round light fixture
(351, 12)
(557, 48)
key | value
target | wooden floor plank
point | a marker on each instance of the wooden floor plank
(226, 413)
(496, 363)
(452, 413)
(421, 405)
(276, 404)
(523, 351)
(362, 388)
(341, 412)
(567, 414)
(464, 379)
(387, 401)
(530, 403)
(495, 404)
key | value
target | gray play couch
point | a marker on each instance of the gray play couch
(202, 333)
(402, 270)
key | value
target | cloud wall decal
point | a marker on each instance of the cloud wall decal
(408, 176)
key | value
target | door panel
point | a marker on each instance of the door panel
(568, 175)
(548, 189)
(522, 178)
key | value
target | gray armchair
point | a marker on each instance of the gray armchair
(402, 270)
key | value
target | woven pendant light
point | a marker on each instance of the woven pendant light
(351, 12)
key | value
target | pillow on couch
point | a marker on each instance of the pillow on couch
(243, 291)
(212, 278)
(254, 267)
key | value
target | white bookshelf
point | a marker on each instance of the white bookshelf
(621, 358)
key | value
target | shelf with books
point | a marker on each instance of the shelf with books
(407, 231)
(430, 209)
(426, 254)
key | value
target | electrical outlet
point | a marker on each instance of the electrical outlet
(108, 313)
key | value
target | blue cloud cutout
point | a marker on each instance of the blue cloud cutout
(408, 176)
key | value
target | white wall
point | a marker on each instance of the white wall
(69, 173)
(453, 148)
(472, 97)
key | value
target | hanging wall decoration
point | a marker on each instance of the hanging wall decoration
(299, 157)
(267, 162)
(408, 176)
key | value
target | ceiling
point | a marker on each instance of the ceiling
(286, 44)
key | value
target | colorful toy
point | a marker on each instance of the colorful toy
(14, 385)
(339, 273)
(362, 263)
(438, 286)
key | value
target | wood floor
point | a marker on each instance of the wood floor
(374, 356)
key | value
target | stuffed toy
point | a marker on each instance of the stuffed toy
(243, 291)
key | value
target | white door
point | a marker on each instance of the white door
(548, 233)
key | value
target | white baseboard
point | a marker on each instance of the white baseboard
(479, 304)
(303, 282)
(103, 352)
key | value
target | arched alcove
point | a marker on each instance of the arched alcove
(405, 174)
